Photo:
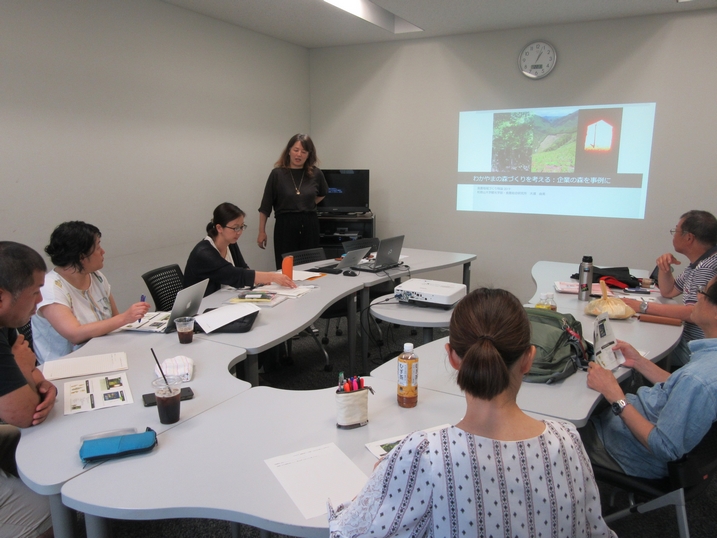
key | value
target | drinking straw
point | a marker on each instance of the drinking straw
(158, 366)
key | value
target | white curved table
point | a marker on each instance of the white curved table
(48, 454)
(569, 399)
(224, 475)
(388, 308)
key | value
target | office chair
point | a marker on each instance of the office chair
(308, 256)
(164, 283)
(356, 244)
(26, 331)
(687, 478)
(380, 290)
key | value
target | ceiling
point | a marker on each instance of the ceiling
(315, 23)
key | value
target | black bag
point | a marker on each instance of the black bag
(560, 348)
(618, 273)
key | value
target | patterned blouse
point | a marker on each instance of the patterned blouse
(452, 483)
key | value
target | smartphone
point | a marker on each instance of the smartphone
(643, 291)
(149, 399)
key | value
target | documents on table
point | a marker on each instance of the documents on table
(83, 366)
(384, 446)
(261, 303)
(301, 275)
(96, 393)
(288, 292)
(572, 287)
(214, 319)
(314, 475)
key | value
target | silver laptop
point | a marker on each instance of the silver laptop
(389, 252)
(347, 262)
(185, 304)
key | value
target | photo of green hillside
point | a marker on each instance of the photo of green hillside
(530, 142)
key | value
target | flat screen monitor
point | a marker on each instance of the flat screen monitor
(348, 192)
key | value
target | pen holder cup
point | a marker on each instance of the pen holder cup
(352, 409)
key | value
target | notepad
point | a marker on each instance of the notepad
(83, 366)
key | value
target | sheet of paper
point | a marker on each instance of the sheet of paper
(288, 292)
(572, 287)
(151, 321)
(84, 366)
(384, 446)
(96, 393)
(314, 475)
(604, 340)
(212, 320)
(301, 275)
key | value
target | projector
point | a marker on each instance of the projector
(430, 293)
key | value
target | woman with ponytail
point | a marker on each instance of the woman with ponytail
(497, 470)
(218, 258)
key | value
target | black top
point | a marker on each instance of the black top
(280, 191)
(11, 377)
(205, 262)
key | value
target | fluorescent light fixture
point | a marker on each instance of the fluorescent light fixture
(370, 12)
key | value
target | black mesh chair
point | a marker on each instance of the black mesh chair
(687, 478)
(379, 290)
(336, 310)
(306, 256)
(356, 244)
(164, 284)
(26, 331)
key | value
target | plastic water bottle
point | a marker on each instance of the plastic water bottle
(551, 302)
(407, 392)
(585, 278)
(543, 303)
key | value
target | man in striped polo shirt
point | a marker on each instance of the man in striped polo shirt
(695, 237)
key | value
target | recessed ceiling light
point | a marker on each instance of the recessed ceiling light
(370, 12)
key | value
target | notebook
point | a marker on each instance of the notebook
(185, 304)
(347, 262)
(389, 252)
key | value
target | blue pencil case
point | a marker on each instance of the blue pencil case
(117, 446)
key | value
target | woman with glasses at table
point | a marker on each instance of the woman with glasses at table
(77, 304)
(218, 258)
(498, 471)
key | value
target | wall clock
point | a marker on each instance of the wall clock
(537, 59)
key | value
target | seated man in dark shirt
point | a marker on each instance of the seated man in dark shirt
(26, 397)
(642, 432)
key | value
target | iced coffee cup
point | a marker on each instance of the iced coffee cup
(185, 329)
(168, 394)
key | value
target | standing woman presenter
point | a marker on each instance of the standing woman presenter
(293, 189)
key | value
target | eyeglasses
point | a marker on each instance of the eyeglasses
(237, 229)
(703, 291)
(674, 230)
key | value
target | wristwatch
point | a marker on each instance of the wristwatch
(643, 307)
(618, 406)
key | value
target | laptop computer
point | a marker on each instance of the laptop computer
(389, 252)
(347, 262)
(185, 304)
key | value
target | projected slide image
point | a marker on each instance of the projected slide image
(527, 141)
(584, 161)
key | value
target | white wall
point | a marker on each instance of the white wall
(394, 108)
(139, 117)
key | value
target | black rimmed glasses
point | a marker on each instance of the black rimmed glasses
(703, 290)
(237, 229)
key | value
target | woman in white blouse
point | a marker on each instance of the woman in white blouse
(497, 472)
(76, 300)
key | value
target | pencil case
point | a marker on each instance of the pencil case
(117, 446)
(352, 408)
